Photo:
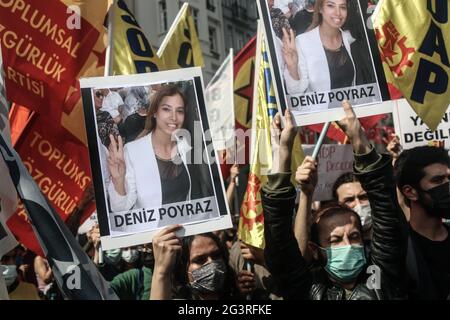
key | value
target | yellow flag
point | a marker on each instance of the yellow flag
(132, 52)
(181, 48)
(251, 221)
(414, 41)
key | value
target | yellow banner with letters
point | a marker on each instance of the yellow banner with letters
(414, 42)
(132, 52)
(181, 48)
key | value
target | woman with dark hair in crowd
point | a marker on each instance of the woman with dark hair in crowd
(201, 273)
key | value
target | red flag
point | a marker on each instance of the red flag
(59, 163)
(244, 74)
(45, 50)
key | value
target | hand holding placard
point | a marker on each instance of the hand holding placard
(287, 137)
(306, 176)
(354, 131)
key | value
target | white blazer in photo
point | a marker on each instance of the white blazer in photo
(313, 65)
(142, 179)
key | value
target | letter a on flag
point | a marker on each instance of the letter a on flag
(414, 42)
(181, 48)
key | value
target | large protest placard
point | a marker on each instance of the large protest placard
(314, 70)
(334, 160)
(412, 130)
(153, 168)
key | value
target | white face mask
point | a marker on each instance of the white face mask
(283, 5)
(130, 255)
(9, 273)
(365, 213)
(113, 256)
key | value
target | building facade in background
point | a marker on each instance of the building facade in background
(221, 24)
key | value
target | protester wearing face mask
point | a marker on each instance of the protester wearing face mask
(112, 259)
(134, 283)
(422, 175)
(335, 239)
(348, 190)
(204, 273)
(17, 289)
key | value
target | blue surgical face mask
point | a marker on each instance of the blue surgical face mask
(345, 263)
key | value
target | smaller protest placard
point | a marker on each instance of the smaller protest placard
(334, 160)
(413, 132)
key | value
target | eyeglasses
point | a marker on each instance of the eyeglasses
(98, 94)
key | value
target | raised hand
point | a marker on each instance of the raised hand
(353, 129)
(234, 172)
(287, 137)
(116, 164)
(290, 54)
(253, 254)
(94, 236)
(394, 147)
(246, 282)
(166, 247)
(306, 176)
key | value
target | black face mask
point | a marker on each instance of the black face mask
(148, 260)
(440, 200)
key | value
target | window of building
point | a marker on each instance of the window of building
(229, 37)
(240, 40)
(163, 25)
(210, 5)
(213, 39)
(195, 16)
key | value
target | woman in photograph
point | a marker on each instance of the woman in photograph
(153, 171)
(320, 59)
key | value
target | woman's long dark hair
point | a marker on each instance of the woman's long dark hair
(229, 290)
(165, 91)
(317, 16)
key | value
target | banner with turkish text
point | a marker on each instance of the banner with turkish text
(44, 51)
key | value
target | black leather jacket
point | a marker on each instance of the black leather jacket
(388, 248)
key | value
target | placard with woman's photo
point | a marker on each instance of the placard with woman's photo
(152, 164)
(322, 53)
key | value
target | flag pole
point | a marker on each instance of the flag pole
(320, 141)
(109, 71)
(110, 48)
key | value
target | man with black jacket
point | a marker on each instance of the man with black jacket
(337, 231)
(422, 175)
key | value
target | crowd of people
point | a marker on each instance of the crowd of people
(384, 236)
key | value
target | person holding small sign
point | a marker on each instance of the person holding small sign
(320, 59)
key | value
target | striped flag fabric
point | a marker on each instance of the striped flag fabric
(76, 275)
(8, 195)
